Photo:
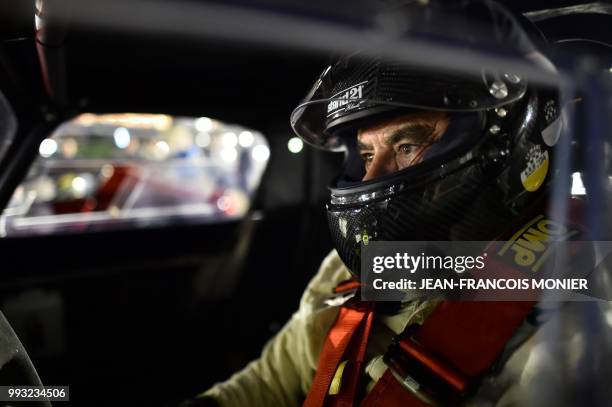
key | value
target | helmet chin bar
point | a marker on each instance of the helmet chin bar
(463, 205)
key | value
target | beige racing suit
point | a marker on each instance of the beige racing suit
(282, 376)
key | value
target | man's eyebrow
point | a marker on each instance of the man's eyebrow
(363, 146)
(360, 144)
(416, 133)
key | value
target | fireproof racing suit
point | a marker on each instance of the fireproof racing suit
(284, 373)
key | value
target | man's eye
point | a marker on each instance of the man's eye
(367, 157)
(407, 148)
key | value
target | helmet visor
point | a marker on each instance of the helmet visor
(359, 87)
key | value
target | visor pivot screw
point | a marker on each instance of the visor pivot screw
(512, 78)
(473, 104)
(494, 129)
(501, 112)
(499, 90)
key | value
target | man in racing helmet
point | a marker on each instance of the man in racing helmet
(430, 156)
(440, 163)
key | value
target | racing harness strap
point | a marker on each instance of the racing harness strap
(436, 363)
(347, 339)
(441, 361)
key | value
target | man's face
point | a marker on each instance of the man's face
(399, 143)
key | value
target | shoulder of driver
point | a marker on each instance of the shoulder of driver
(283, 374)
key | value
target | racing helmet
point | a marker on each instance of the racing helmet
(491, 163)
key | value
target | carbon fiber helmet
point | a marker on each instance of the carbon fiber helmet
(490, 164)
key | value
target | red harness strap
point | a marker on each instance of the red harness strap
(457, 343)
(471, 335)
(352, 372)
(352, 327)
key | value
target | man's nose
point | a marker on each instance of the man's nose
(382, 164)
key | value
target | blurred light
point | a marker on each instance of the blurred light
(229, 154)
(79, 184)
(203, 139)
(47, 148)
(260, 153)
(203, 124)
(609, 317)
(295, 145)
(121, 135)
(224, 203)
(86, 119)
(163, 146)
(140, 120)
(45, 189)
(227, 203)
(577, 185)
(114, 211)
(229, 139)
(107, 170)
(38, 22)
(69, 147)
(245, 139)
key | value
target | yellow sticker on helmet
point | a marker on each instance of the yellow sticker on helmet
(533, 176)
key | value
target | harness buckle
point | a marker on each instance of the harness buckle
(425, 374)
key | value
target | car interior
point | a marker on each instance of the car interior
(152, 310)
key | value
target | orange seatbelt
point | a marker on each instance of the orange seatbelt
(352, 326)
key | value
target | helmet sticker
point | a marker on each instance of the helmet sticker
(550, 111)
(554, 122)
(363, 237)
(551, 134)
(532, 177)
(341, 101)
